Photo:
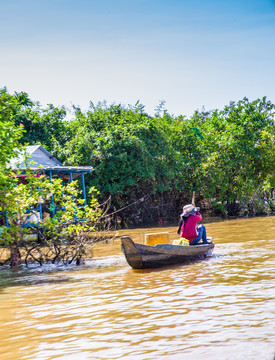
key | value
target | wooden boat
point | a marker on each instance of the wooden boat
(141, 256)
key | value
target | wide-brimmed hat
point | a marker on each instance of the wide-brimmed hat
(189, 210)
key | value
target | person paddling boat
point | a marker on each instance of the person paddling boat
(189, 228)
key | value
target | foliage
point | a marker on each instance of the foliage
(41, 126)
(133, 154)
(64, 236)
(10, 135)
(239, 142)
(150, 165)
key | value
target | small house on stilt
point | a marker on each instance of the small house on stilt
(41, 161)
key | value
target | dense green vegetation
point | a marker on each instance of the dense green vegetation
(63, 235)
(149, 165)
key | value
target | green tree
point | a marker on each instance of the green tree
(66, 236)
(135, 155)
(10, 135)
(239, 142)
(42, 126)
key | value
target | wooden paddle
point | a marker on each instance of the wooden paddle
(162, 238)
(193, 199)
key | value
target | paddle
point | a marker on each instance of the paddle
(163, 237)
(193, 199)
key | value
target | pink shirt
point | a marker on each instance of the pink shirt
(190, 229)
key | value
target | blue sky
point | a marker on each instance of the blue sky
(189, 53)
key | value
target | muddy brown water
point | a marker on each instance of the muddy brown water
(219, 308)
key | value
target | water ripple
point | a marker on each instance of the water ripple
(220, 308)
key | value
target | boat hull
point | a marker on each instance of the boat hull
(141, 256)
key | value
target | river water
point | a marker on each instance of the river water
(218, 308)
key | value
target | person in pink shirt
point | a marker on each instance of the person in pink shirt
(188, 227)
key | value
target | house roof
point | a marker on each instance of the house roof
(40, 159)
(68, 169)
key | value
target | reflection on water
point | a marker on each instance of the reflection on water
(219, 308)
